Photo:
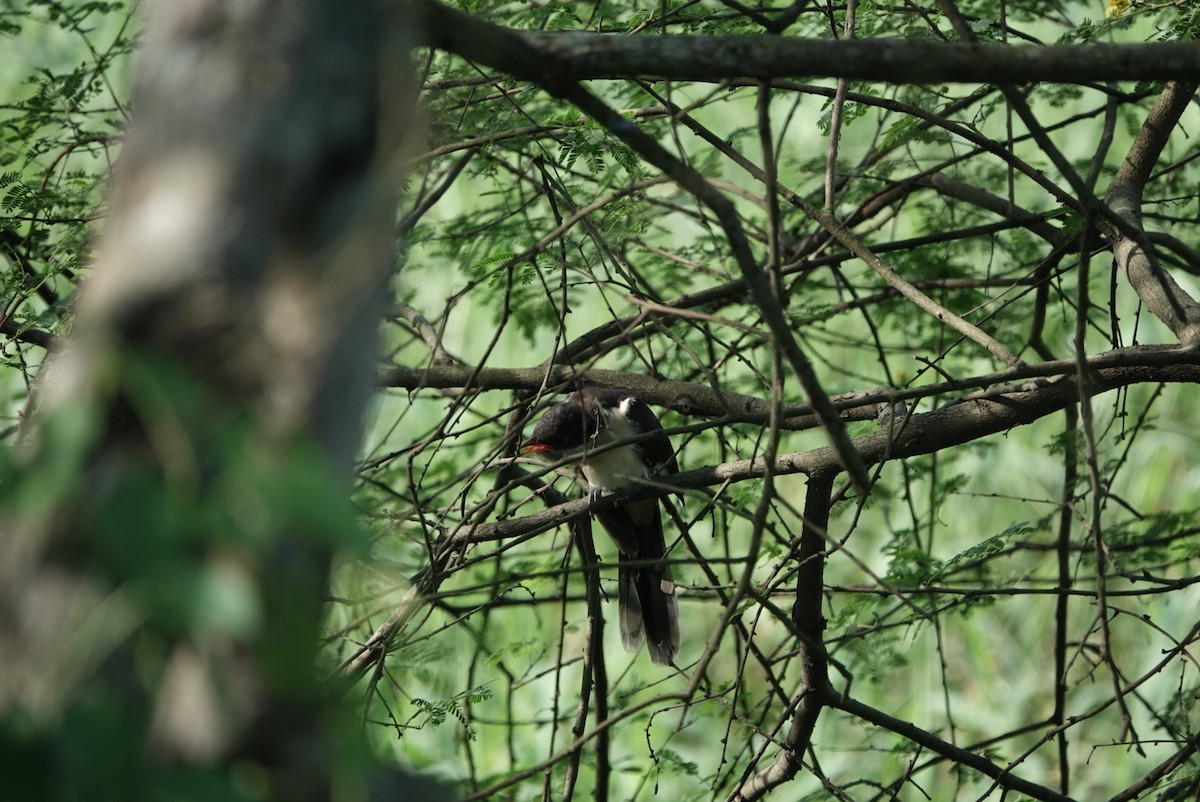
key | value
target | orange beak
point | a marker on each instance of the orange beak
(536, 448)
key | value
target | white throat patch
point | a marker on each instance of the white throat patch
(616, 468)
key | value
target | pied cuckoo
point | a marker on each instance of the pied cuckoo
(586, 421)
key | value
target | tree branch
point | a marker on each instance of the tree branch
(689, 398)
(1169, 302)
(814, 662)
(1003, 777)
(571, 56)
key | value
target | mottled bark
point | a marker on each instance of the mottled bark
(221, 356)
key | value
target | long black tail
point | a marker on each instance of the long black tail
(646, 598)
(645, 591)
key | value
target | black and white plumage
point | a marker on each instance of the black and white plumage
(586, 421)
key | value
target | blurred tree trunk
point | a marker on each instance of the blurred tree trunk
(171, 528)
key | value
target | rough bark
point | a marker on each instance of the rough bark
(574, 56)
(222, 351)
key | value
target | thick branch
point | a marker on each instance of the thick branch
(1169, 302)
(574, 56)
(814, 662)
(34, 336)
(688, 398)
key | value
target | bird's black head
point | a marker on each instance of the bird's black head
(565, 427)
